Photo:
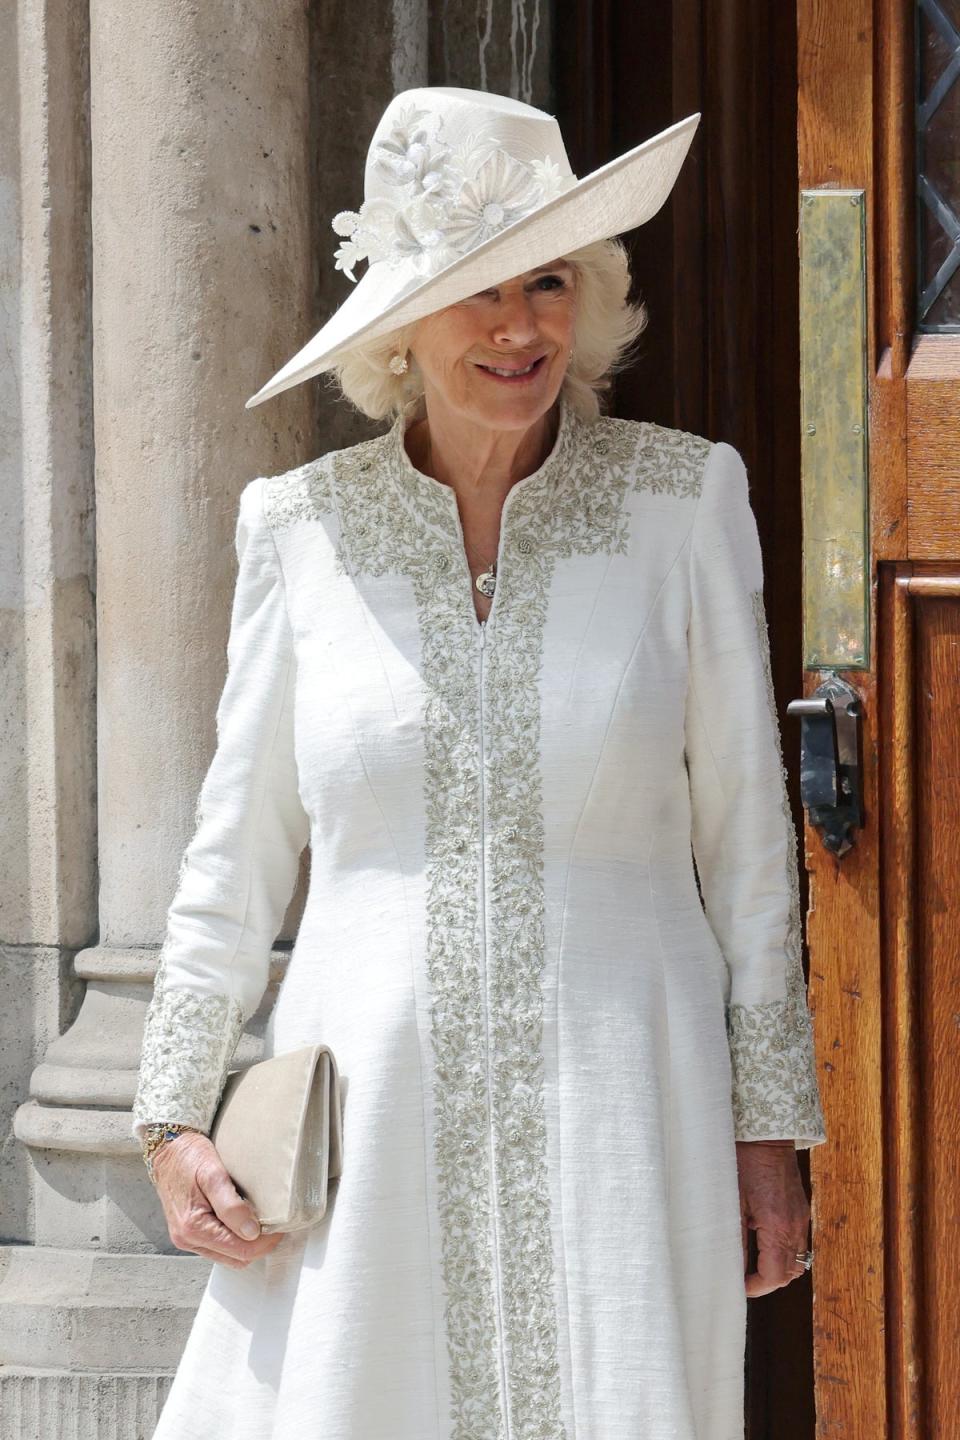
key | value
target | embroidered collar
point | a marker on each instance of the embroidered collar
(426, 489)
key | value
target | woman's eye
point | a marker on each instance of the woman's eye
(545, 283)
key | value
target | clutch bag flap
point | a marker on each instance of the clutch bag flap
(279, 1131)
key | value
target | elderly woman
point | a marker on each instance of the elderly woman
(505, 668)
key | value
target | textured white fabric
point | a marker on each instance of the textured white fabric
(537, 1232)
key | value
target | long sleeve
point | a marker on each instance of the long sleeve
(744, 839)
(239, 870)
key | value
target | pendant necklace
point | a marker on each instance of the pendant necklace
(486, 583)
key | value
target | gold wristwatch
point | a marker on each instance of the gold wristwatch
(155, 1135)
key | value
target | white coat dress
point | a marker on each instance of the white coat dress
(548, 1044)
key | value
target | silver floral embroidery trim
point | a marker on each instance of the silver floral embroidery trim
(300, 494)
(395, 520)
(391, 522)
(671, 461)
(412, 526)
(775, 1090)
(188, 1041)
(583, 513)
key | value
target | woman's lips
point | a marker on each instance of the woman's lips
(516, 376)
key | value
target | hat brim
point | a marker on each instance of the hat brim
(617, 197)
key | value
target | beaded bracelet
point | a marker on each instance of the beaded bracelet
(155, 1135)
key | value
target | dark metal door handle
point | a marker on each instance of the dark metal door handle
(831, 778)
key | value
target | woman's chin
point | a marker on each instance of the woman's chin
(512, 406)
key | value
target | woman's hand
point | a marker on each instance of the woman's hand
(772, 1202)
(205, 1211)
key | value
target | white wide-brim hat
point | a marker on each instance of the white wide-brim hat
(462, 190)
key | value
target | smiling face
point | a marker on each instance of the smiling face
(498, 358)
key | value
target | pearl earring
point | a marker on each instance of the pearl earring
(398, 364)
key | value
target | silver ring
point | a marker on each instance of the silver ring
(804, 1258)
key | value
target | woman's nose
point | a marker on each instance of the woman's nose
(516, 321)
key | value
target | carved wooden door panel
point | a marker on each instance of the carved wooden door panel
(879, 113)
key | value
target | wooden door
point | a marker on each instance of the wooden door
(718, 270)
(803, 98)
(879, 110)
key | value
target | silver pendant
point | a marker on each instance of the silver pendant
(487, 582)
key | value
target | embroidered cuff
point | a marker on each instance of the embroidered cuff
(775, 1091)
(188, 1041)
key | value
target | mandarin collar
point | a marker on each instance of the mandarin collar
(430, 492)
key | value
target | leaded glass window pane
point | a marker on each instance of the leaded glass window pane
(938, 164)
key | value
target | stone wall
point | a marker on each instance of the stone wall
(167, 177)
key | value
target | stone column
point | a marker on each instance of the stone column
(167, 177)
(202, 285)
(48, 640)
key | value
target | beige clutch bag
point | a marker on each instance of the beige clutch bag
(279, 1131)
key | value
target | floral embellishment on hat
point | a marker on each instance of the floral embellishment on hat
(448, 202)
(502, 191)
(409, 157)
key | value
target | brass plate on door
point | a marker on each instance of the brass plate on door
(833, 413)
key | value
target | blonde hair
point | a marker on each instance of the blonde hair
(606, 327)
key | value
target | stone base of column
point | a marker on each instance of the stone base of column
(102, 1316)
(60, 1405)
